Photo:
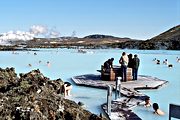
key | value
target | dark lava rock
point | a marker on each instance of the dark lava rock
(32, 96)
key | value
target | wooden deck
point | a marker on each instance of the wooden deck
(121, 108)
(143, 82)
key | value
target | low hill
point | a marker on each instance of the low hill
(99, 36)
(168, 40)
(91, 41)
(171, 34)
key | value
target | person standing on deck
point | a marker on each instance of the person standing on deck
(136, 63)
(110, 61)
(130, 63)
(124, 62)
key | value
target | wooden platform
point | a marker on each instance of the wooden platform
(143, 82)
(121, 108)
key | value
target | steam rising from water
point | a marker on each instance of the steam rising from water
(5, 38)
(34, 31)
(53, 33)
(38, 29)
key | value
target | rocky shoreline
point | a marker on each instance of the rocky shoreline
(32, 96)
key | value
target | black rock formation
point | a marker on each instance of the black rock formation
(32, 96)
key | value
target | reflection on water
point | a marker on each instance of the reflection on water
(66, 63)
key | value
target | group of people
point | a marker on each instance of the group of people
(128, 61)
(165, 62)
(47, 63)
(155, 106)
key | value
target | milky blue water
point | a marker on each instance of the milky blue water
(66, 63)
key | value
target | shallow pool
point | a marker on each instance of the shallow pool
(65, 63)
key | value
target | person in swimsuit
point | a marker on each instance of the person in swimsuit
(67, 89)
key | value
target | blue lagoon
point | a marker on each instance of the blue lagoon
(66, 63)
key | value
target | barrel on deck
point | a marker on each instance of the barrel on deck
(129, 74)
(112, 75)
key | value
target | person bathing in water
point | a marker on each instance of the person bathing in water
(157, 110)
(67, 89)
(147, 102)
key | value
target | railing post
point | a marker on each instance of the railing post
(169, 111)
(109, 98)
(118, 88)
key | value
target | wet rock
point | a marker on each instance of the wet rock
(32, 96)
(80, 103)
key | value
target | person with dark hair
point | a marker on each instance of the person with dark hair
(130, 63)
(170, 65)
(111, 62)
(106, 64)
(165, 62)
(157, 110)
(136, 63)
(67, 88)
(158, 62)
(124, 63)
(147, 102)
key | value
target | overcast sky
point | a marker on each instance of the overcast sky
(138, 19)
